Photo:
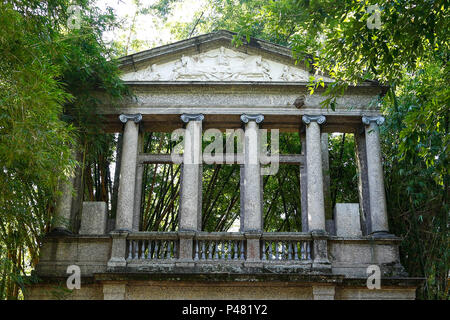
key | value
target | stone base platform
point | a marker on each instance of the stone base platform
(143, 286)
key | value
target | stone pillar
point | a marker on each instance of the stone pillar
(94, 218)
(117, 260)
(127, 182)
(242, 199)
(138, 187)
(252, 174)
(304, 185)
(252, 198)
(363, 182)
(191, 185)
(316, 205)
(377, 196)
(64, 207)
(326, 175)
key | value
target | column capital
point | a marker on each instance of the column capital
(135, 117)
(320, 119)
(185, 117)
(258, 118)
(378, 119)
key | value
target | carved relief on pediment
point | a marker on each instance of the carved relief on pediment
(219, 65)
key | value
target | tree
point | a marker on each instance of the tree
(48, 72)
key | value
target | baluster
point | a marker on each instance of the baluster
(196, 250)
(304, 250)
(270, 250)
(296, 250)
(152, 249)
(264, 249)
(203, 250)
(235, 249)
(223, 250)
(229, 257)
(168, 249)
(156, 250)
(290, 250)
(242, 250)
(216, 253)
(130, 251)
(135, 249)
(175, 249)
(210, 250)
(277, 250)
(308, 248)
(142, 256)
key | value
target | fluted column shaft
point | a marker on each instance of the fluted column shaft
(191, 183)
(252, 174)
(127, 182)
(377, 196)
(316, 204)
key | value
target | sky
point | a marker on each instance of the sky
(150, 29)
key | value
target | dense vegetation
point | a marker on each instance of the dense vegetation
(48, 72)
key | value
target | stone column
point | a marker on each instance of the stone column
(252, 174)
(363, 182)
(242, 199)
(127, 182)
(315, 198)
(377, 196)
(304, 185)
(191, 186)
(64, 207)
(326, 176)
(138, 187)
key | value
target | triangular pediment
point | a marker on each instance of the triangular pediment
(214, 60)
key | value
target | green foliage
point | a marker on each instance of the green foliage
(48, 74)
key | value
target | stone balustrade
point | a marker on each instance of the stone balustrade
(219, 246)
(286, 247)
(152, 246)
(227, 247)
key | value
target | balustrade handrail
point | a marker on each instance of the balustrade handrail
(202, 235)
(219, 236)
(274, 236)
(153, 235)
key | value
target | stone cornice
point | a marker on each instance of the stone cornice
(135, 117)
(320, 119)
(378, 119)
(192, 117)
(258, 118)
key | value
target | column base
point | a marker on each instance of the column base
(117, 263)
